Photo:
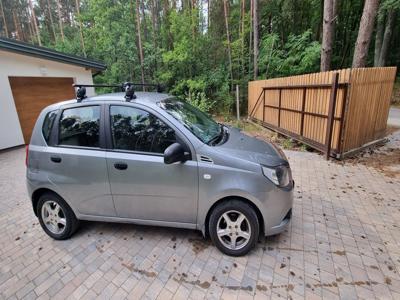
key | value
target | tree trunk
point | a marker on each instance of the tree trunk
(77, 2)
(154, 21)
(242, 33)
(378, 38)
(4, 18)
(228, 40)
(255, 32)
(208, 15)
(334, 15)
(35, 23)
(51, 20)
(32, 33)
(327, 36)
(251, 35)
(193, 13)
(364, 33)
(60, 21)
(165, 9)
(155, 35)
(139, 37)
(387, 37)
(17, 26)
(144, 23)
(320, 22)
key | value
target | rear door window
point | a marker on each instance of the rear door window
(80, 127)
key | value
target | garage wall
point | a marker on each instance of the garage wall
(20, 65)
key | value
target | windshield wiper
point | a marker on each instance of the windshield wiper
(218, 137)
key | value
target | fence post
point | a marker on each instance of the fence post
(279, 109)
(237, 103)
(331, 115)
(263, 106)
(303, 108)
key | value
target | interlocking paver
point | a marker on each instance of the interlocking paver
(343, 242)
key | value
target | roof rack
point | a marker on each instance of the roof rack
(127, 87)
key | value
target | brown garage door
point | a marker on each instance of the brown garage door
(32, 94)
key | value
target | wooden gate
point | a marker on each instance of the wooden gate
(315, 108)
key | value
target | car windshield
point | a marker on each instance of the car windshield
(199, 123)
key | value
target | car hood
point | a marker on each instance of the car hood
(249, 148)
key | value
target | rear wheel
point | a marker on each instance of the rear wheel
(56, 217)
(234, 227)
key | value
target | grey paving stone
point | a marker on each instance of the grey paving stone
(343, 242)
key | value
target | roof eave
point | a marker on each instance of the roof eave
(40, 52)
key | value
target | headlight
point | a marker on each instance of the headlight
(280, 175)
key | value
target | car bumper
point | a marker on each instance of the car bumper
(278, 211)
(282, 226)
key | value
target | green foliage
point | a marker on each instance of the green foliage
(287, 144)
(303, 147)
(390, 4)
(200, 101)
(298, 55)
(187, 55)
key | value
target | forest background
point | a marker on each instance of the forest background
(201, 49)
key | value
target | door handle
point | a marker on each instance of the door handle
(55, 159)
(120, 166)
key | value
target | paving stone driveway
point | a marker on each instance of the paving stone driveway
(344, 241)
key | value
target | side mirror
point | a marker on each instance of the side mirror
(174, 153)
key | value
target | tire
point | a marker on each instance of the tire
(245, 236)
(58, 225)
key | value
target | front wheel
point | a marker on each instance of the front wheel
(56, 217)
(234, 227)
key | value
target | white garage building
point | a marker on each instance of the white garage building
(31, 78)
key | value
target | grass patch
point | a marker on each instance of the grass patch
(256, 130)
(287, 144)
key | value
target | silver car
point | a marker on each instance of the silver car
(155, 160)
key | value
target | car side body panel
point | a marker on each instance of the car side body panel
(227, 178)
(85, 178)
(150, 189)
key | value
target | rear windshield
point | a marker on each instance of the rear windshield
(48, 124)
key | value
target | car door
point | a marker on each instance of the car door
(76, 161)
(143, 187)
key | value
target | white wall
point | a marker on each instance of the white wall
(12, 64)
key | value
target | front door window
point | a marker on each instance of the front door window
(134, 129)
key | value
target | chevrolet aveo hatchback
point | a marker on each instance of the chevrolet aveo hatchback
(155, 160)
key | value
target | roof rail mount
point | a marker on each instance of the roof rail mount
(127, 87)
(129, 92)
(81, 93)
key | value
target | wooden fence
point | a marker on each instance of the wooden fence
(335, 112)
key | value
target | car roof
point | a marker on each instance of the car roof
(146, 98)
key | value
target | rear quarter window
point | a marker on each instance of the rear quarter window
(48, 124)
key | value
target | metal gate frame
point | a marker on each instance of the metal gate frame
(323, 147)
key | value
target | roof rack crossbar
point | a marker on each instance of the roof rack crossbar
(98, 85)
(126, 87)
(155, 85)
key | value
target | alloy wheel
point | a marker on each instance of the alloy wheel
(53, 217)
(233, 230)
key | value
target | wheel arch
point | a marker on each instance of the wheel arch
(39, 192)
(243, 199)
